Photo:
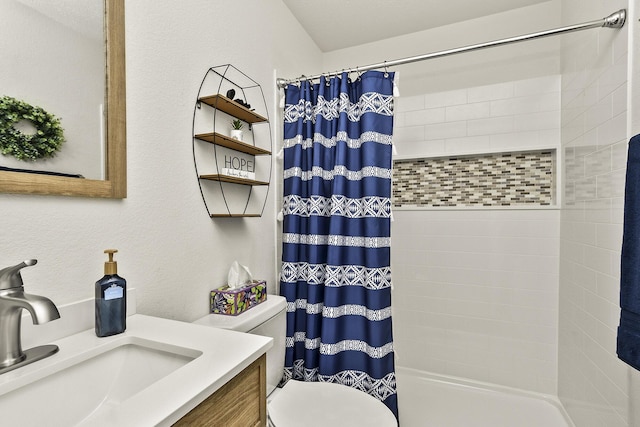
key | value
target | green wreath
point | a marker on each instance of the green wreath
(47, 139)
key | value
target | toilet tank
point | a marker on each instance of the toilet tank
(267, 319)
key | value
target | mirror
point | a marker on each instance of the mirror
(115, 184)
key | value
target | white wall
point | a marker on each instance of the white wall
(511, 115)
(593, 383)
(476, 291)
(475, 294)
(170, 250)
(488, 66)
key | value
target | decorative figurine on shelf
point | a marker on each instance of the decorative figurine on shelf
(236, 129)
(231, 93)
(242, 102)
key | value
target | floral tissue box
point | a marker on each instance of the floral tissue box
(235, 301)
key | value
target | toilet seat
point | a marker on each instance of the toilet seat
(316, 404)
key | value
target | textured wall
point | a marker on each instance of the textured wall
(170, 250)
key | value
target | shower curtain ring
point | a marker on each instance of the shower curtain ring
(304, 78)
(386, 70)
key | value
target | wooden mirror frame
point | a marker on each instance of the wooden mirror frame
(115, 184)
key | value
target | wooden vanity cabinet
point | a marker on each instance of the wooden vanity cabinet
(242, 402)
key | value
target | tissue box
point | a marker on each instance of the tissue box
(235, 301)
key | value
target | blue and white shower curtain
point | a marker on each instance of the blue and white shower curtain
(336, 272)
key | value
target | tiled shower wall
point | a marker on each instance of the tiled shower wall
(476, 290)
(593, 383)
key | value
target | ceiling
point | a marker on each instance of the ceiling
(338, 24)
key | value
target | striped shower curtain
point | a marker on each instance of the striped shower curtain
(336, 272)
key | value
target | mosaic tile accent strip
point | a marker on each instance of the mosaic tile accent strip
(497, 179)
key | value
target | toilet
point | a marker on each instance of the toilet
(301, 403)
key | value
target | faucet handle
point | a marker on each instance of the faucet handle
(10, 276)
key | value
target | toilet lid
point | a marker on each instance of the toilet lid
(312, 404)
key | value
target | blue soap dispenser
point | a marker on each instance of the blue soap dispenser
(111, 300)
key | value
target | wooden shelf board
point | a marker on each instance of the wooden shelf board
(228, 142)
(232, 179)
(231, 107)
(226, 215)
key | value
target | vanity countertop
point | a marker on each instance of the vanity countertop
(219, 356)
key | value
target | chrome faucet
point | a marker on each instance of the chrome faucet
(12, 301)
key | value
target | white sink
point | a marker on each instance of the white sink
(84, 387)
(151, 375)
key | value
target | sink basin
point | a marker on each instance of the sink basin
(79, 389)
(151, 375)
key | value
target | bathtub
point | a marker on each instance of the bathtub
(429, 400)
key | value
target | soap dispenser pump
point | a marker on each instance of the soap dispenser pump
(111, 300)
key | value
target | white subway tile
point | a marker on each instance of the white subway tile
(615, 257)
(432, 147)
(445, 99)
(491, 92)
(570, 109)
(408, 103)
(515, 140)
(598, 259)
(425, 117)
(469, 144)
(620, 43)
(409, 133)
(537, 85)
(550, 137)
(468, 111)
(445, 130)
(585, 188)
(535, 299)
(490, 126)
(619, 155)
(598, 163)
(598, 113)
(526, 104)
(613, 131)
(537, 121)
(617, 208)
(613, 78)
(598, 210)
(619, 100)
(591, 96)
(608, 287)
(611, 184)
(588, 143)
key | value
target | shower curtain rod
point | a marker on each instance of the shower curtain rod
(615, 20)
